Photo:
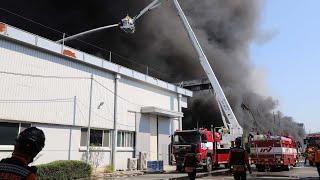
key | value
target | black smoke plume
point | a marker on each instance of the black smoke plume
(225, 29)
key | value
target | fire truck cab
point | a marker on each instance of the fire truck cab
(273, 152)
(203, 143)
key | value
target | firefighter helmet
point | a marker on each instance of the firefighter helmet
(30, 141)
(238, 141)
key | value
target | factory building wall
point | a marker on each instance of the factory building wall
(52, 92)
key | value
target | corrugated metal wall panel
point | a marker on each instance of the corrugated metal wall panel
(32, 39)
(20, 92)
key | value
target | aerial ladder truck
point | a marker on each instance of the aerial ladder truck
(210, 143)
(230, 122)
(210, 146)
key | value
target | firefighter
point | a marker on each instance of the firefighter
(309, 155)
(317, 159)
(191, 162)
(27, 145)
(239, 161)
(306, 154)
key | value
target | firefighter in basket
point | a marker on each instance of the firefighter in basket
(239, 161)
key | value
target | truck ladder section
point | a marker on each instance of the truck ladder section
(229, 120)
(233, 124)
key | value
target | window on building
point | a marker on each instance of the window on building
(24, 126)
(125, 139)
(9, 132)
(106, 138)
(97, 137)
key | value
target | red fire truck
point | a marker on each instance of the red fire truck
(273, 152)
(204, 144)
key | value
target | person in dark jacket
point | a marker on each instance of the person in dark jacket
(28, 144)
(239, 161)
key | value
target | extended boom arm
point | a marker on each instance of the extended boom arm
(232, 124)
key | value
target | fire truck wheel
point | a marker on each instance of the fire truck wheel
(286, 168)
(192, 175)
(226, 166)
(180, 168)
(208, 165)
(261, 168)
(311, 163)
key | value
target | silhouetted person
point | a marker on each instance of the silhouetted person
(317, 159)
(191, 161)
(239, 161)
(28, 144)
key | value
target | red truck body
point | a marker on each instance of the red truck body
(206, 147)
(273, 152)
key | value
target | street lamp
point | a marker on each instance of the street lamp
(101, 104)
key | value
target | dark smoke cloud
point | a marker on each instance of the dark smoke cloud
(225, 29)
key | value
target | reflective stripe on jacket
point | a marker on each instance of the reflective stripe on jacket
(14, 169)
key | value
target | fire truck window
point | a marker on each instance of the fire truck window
(176, 138)
(204, 138)
(186, 138)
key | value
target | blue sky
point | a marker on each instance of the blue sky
(292, 57)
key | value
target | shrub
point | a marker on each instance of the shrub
(64, 169)
(108, 169)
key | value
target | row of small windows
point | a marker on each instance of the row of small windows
(125, 139)
(102, 138)
(10, 131)
(98, 138)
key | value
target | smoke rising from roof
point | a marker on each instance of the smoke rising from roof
(225, 29)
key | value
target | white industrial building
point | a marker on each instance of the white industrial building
(49, 85)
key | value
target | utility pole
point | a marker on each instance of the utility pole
(74, 122)
(279, 120)
(89, 120)
(274, 121)
(179, 110)
(115, 128)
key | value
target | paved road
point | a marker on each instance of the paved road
(170, 176)
(307, 173)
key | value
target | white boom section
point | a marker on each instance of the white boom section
(151, 6)
(87, 32)
(233, 124)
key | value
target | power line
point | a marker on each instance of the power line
(64, 77)
(41, 76)
(124, 58)
(90, 44)
(117, 94)
(30, 20)
(81, 113)
(34, 100)
(100, 116)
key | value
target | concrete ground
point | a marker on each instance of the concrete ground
(307, 173)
